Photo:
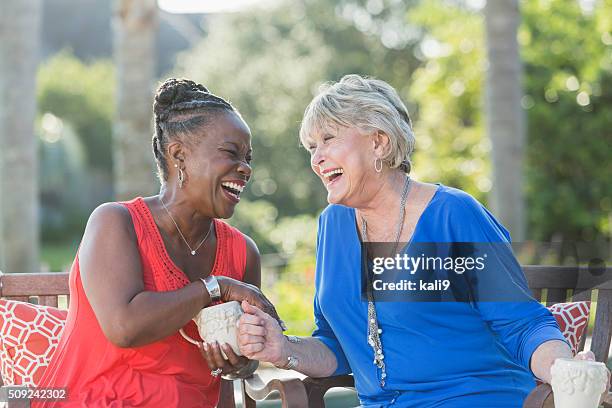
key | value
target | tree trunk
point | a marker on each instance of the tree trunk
(505, 118)
(134, 34)
(19, 55)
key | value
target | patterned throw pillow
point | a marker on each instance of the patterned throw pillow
(573, 319)
(29, 335)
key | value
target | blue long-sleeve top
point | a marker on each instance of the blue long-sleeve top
(459, 354)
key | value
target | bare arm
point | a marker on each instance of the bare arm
(315, 359)
(545, 355)
(111, 272)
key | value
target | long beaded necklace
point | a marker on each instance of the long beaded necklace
(374, 331)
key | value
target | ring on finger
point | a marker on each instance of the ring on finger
(215, 373)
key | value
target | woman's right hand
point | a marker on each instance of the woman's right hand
(232, 289)
(260, 337)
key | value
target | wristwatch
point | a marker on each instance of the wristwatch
(213, 288)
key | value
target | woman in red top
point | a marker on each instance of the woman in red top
(146, 267)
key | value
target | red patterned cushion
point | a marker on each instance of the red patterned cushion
(29, 335)
(573, 319)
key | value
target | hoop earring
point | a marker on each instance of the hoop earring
(378, 167)
(181, 177)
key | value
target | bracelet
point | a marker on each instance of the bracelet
(292, 363)
(293, 339)
(212, 286)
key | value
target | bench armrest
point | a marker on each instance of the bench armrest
(317, 387)
(292, 391)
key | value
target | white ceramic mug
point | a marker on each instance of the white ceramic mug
(578, 383)
(218, 323)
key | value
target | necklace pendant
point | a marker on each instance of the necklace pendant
(193, 252)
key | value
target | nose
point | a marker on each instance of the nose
(317, 158)
(245, 169)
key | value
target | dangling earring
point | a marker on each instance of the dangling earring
(181, 177)
(377, 166)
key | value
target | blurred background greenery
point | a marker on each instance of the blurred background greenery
(270, 61)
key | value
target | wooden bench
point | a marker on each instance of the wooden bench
(549, 284)
(44, 289)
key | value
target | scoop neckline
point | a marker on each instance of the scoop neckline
(164, 251)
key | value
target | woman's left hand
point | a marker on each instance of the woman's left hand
(213, 356)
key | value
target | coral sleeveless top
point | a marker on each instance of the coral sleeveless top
(168, 373)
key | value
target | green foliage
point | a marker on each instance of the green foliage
(57, 257)
(568, 78)
(448, 89)
(568, 165)
(75, 105)
(293, 293)
(84, 96)
(270, 68)
(270, 63)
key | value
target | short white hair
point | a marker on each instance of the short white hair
(367, 104)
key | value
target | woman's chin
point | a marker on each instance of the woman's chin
(335, 198)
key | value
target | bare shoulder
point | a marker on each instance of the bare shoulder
(251, 246)
(111, 216)
(108, 223)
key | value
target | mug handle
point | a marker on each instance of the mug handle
(186, 337)
(192, 341)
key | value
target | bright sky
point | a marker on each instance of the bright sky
(208, 6)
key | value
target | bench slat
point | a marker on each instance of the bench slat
(47, 301)
(35, 284)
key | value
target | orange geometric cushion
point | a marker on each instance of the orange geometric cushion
(29, 335)
(573, 319)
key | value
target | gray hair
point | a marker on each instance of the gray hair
(365, 103)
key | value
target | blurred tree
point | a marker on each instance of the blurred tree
(19, 55)
(567, 79)
(505, 118)
(75, 105)
(134, 31)
(83, 95)
(567, 52)
(447, 88)
(271, 68)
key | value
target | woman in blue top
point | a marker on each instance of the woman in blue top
(474, 352)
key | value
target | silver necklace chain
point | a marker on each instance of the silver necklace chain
(374, 331)
(192, 251)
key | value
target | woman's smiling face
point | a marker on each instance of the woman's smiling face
(218, 165)
(342, 157)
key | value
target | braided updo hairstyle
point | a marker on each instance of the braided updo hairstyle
(181, 106)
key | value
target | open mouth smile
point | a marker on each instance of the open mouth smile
(332, 175)
(233, 189)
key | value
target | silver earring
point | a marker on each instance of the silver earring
(181, 177)
(377, 166)
(175, 165)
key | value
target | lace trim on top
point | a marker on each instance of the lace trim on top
(171, 277)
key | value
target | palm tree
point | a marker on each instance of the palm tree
(134, 32)
(505, 119)
(19, 54)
